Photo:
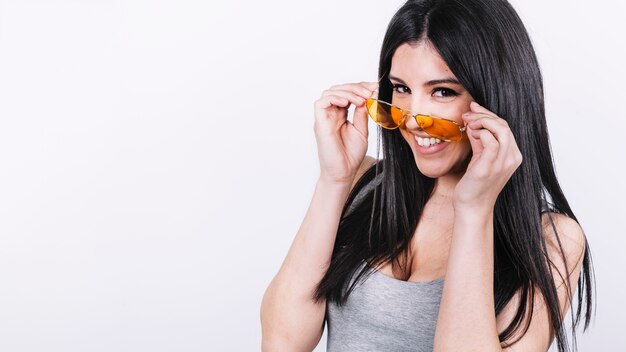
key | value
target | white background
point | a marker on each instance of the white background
(157, 158)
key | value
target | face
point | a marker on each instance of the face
(423, 84)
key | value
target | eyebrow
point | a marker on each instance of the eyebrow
(433, 82)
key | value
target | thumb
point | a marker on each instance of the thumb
(475, 143)
(360, 119)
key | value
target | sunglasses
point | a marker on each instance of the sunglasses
(390, 117)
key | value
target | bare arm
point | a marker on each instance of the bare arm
(467, 319)
(290, 319)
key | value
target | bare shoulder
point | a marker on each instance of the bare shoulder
(367, 162)
(560, 228)
(566, 244)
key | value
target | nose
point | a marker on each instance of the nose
(410, 123)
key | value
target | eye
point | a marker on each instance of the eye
(399, 88)
(444, 92)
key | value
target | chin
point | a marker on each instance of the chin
(432, 171)
(435, 168)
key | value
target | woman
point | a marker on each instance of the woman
(459, 240)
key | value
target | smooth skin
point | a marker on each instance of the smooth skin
(457, 223)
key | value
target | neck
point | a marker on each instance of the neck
(445, 185)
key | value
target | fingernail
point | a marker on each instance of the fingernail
(475, 104)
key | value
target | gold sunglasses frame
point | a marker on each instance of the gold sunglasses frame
(406, 114)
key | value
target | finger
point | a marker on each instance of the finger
(354, 98)
(360, 119)
(370, 85)
(367, 85)
(475, 143)
(374, 94)
(363, 89)
(471, 116)
(490, 146)
(498, 128)
(475, 107)
(508, 152)
(331, 100)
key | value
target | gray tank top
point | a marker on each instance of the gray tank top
(383, 313)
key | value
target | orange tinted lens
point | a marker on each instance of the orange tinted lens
(385, 115)
(439, 128)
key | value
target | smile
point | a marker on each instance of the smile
(427, 142)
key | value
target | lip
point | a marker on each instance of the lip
(432, 149)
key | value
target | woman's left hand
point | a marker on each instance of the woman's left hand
(495, 158)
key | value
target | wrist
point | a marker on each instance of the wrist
(332, 186)
(334, 182)
(473, 213)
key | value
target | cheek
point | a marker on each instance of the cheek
(465, 146)
(454, 111)
(464, 151)
(408, 137)
(460, 157)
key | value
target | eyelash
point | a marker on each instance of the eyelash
(447, 92)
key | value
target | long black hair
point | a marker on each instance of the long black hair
(487, 48)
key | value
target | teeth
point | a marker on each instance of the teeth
(427, 142)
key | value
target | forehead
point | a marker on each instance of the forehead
(418, 63)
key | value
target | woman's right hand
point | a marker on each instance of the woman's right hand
(342, 144)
